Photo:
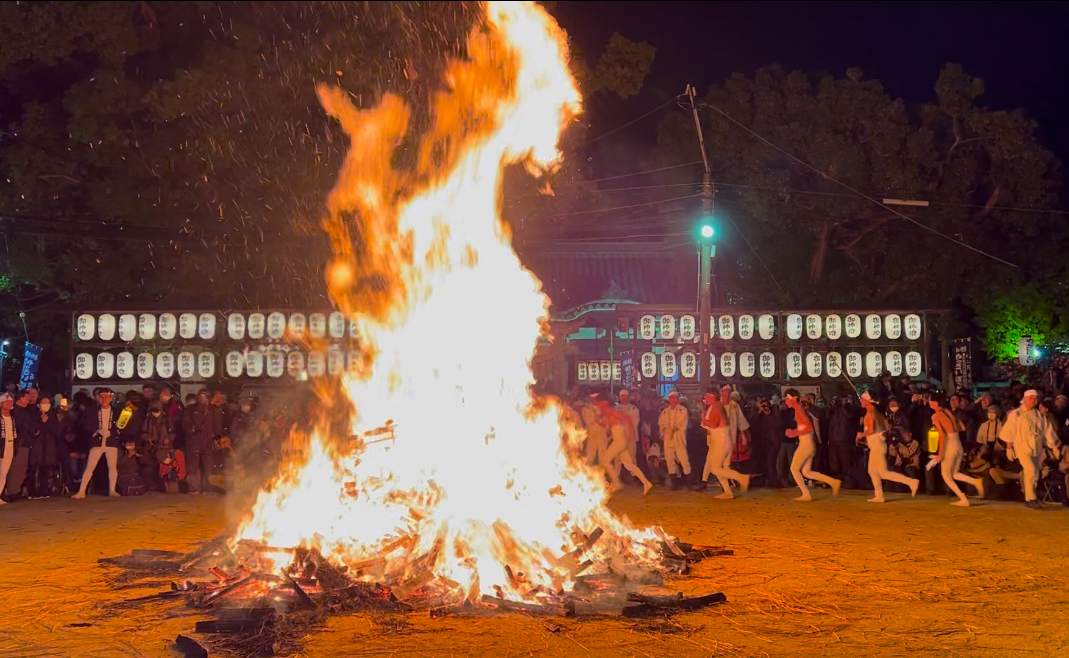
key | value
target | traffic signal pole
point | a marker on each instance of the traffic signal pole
(708, 252)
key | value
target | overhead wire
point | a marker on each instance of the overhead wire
(857, 192)
(633, 205)
(629, 123)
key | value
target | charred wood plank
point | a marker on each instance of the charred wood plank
(189, 647)
(152, 552)
(301, 594)
(232, 625)
(669, 601)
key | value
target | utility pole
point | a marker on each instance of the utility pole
(708, 252)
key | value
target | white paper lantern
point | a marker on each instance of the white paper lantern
(812, 326)
(337, 325)
(127, 327)
(668, 365)
(794, 326)
(165, 365)
(617, 371)
(335, 361)
(605, 368)
(354, 326)
(168, 326)
(893, 361)
(893, 324)
(295, 364)
(235, 364)
(727, 364)
(206, 365)
(687, 327)
(187, 365)
(317, 325)
(768, 365)
(747, 364)
(187, 326)
(276, 361)
(146, 365)
(256, 325)
(814, 363)
(873, 326)
(297, 325)
(146, 326)
(83, 366)
(581, 371)
(853, 326)
(235, 328)
(649, 365)
(766, 326)
(105, 365)
(833, 364)
(106, 327)
(206, 326)
(124, 365)
(914, 366)
(833, 327)
(874, 364)
(854, 364)
(593, 372)
(726, 327)
(254, 363)
(913, 326)
(794, 365)
(746, 327)
(712, 365)
(1026, 351)
(668, 327)
(276, 328)
(647, 327)
(688, 364)
(86, 327)
(354, 362)
(317, 361)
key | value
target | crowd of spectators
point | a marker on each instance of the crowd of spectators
(118, 444)
(764, 450)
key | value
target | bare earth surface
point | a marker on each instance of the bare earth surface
(829, 578)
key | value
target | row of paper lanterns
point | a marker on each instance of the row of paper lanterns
(747, 365)
(813, 326)
(189, 326)
(190, 365)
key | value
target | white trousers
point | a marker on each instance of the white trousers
(949, 467)
(878, 470)
(5, 465)
(803, 457)
(675, 455)
(718, 460)
(614, 456)
(1031, 466)
(112, 455)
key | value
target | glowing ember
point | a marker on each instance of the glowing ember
(480, 483)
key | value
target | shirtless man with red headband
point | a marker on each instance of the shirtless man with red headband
(718, 461)
(807, 449)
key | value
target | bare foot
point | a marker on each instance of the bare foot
(745, 484)
(964, 502)
(114, 494)
(78, 496)
(835, 485)
(3, 502)
(726, 494)
(913, 486)
(803, 499)
(979, 488)
(646, 486)
(877, 500)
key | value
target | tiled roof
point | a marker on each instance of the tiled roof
(648, 273)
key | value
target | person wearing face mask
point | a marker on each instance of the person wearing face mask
(157, 444)
(44, 478)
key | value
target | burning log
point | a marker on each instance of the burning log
(530, 608)
(216, 595)
(648, 606)
(301, 594)
(199, 555)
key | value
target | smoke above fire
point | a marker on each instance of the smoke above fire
(475, 480)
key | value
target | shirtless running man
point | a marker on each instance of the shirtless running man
(807, 449)
(718, 461)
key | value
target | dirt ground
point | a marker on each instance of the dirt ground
(829, 578)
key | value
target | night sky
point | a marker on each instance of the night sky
(1019, 49)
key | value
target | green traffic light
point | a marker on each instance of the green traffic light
(707, 231)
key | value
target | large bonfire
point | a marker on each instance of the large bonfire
(480, 480)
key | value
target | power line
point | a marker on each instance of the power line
(758, 256)
(860, 194)
(629, 123)
(634, 205)
(634, 173)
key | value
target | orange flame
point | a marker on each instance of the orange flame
(477, 476)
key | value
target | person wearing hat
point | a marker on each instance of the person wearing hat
(950, 452)
(99, 422)
(1025, 433)
(876, 427)
(673, 425)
